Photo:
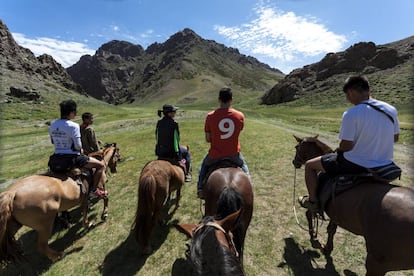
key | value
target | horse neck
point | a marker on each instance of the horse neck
(217, 262)
(108, 153)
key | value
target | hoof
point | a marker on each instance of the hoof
(104, 216)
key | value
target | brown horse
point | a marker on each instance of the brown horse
(226, 191)
(212, 250)
(34, 201)
(157, 181)
(380, 212)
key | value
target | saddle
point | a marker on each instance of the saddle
(330, 186)
(78, 175)
(219, 164)
(174, 162)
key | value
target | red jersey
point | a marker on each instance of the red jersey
(224, 126)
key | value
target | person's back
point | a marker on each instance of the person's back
(88, 137)
(372, 133)
(167, 134)
(224, 126)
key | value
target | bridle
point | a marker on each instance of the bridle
(230, 243)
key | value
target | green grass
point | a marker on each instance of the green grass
(275, 244)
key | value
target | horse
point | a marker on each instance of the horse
(158, 179)
(34, 201)
(212, 250)
(226, 191)
(381, 212)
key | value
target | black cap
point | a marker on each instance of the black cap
(169, 108)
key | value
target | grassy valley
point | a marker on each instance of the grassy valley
(275, 244)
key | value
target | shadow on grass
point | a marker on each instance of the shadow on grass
(300, 262)
(34, 263)
(127, 259)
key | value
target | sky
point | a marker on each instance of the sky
(285, 34)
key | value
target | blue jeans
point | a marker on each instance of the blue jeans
(207, 162)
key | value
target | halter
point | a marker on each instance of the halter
(216, 226)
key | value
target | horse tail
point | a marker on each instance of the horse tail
(143, 217)
(8, 246)
(230, 201)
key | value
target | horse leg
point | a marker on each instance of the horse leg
(44, 232)
(312, 233)
(327, 249)
(85, 211)
(374, 268)
(177, 199)
(105, 209)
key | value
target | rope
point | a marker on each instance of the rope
(294, 205)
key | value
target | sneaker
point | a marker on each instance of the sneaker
(98, 193)
(200, 194)
(188, 178)
(306, 203)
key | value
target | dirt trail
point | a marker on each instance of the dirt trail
(403, 153)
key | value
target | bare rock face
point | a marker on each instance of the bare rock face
(362, 58)
(20, 63)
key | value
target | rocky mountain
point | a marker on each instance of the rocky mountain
(23, 75)
(376, 62)
(183, 68)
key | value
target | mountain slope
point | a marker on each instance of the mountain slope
(389, 67)
(185, 68)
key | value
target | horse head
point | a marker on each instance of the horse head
(212, 249)
(114, 156)
(308, 148)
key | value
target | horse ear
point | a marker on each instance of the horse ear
(186, 229)
(316, 136)
(229, 222)
(297, 138)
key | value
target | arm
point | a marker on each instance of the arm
(208, 137)
(345, 145)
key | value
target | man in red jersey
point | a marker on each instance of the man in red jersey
(222, 128)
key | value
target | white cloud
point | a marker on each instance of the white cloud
(282, 37)
(66, 53)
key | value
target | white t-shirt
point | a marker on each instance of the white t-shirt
(372, 133)
(65, 136)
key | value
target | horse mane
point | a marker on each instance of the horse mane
(208, 257)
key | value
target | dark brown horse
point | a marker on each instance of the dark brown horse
(212, 250)
(34, 201)
(226, 191)
(380, 212)
(157, 181)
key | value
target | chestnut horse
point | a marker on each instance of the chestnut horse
(34, 201)
(212, 250)
(226, 191)
(157, 181)
(380, 212)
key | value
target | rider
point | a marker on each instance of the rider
(367, 139)
(88, 138)
(222, 128)
(167, 135)
(66, 138)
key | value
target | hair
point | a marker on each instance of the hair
(159, 112)
(66, 107)
(86, 116)
(358, 83)
(225, 95)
